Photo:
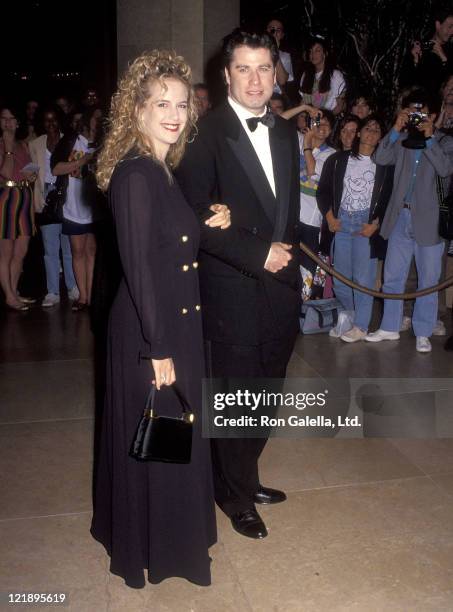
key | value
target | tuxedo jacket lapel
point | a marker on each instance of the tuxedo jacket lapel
(244, 152)
(282, 164)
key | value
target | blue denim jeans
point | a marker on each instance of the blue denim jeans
(53, 239)
(428, 261)
(351, 257)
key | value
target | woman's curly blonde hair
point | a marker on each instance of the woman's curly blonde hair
(124, 126)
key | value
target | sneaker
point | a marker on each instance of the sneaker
(50, 300)
(353, 335)
(381, 334)
(406, 324)
(439, 329)
(74, 294)
(423, 345)
(334, 333)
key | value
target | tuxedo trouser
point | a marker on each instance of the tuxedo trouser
(235, 460)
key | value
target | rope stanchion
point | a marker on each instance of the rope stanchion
(378, 294)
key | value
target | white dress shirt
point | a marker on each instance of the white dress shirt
(259, 139)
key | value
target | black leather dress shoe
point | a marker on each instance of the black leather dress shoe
(265, 495)
(249, 524)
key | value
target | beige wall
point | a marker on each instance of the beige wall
(194, 28)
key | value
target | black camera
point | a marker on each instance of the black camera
(415, 119)
(415, 139)
(273, 31)
(316, 122)
(427, 45)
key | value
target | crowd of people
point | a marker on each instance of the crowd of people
(230, 193)
(48, 151)
(354, 179)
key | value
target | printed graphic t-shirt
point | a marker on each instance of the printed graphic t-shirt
(358, 184)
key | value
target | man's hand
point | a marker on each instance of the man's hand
(164, 372)
(278, 257)
(437, 49)
(401, 119)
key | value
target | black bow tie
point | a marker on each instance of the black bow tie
(268, 120)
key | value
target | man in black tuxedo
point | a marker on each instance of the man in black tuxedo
(249, 274)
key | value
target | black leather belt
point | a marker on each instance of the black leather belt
(406, 205)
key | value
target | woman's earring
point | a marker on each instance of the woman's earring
(192, 135)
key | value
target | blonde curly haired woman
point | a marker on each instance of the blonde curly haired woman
(153, 516)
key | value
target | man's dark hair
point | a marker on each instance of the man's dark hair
(443, 13)
(373, 118)
(237, 38)
(421, 96)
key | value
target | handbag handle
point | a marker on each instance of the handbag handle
(152, 397)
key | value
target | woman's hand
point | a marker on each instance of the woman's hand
(416, 51)
(313, 111)
(8, 140)
(164, 372)
(427, 126)
(308, 138)
(368, 229)
(222, 218)
(30, 176)
(333, 223)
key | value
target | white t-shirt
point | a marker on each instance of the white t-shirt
(327, 99)
(309, 211)
(76, 209)
(358, 183)
(287, 64)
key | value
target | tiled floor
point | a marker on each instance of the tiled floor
(368, 524)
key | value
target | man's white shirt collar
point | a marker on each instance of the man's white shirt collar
(242, 112)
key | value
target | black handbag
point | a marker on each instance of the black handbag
(53, 208)
(163, 438)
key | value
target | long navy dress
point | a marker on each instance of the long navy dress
(154, 516)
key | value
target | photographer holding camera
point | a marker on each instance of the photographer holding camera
(419, 153)
(284, 69)
(429, 62)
